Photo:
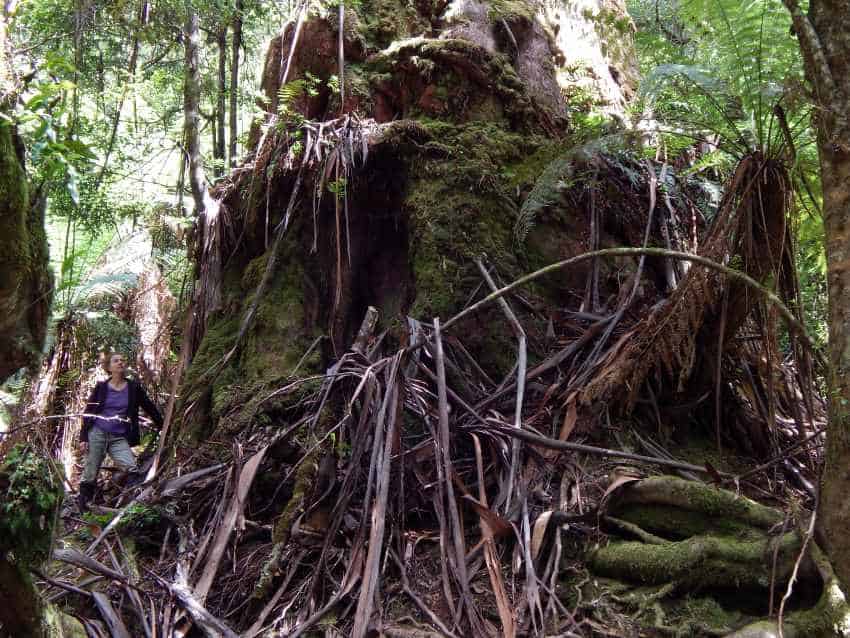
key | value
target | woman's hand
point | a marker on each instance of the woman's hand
(84, 447)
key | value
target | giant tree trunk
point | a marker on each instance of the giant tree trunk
(825, 41)
(25, 283)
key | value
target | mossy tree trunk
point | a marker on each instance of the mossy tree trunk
(25, 288)
(824, 36)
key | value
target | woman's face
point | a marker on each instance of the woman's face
(117, 363)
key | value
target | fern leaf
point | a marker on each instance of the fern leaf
(546, 192)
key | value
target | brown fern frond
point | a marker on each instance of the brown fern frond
(750, 228)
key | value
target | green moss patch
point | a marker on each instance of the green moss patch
(30, 494)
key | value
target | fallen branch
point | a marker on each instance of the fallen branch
(61, 584)
(212, 626)
(237, 504)
(78, 559)
(554, 444)
(116, 626)
(522, 361)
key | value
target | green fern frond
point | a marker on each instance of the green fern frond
(547, 190)
(558, 177)
(105, 286)
(288, 93)
(658, 79)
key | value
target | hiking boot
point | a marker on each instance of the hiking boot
(86, 495)
(134, 478)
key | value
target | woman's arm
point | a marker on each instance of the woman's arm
(92, 407)
(149, 407)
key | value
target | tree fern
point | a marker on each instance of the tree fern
(738, 67)
(107, 285)
(558, 176)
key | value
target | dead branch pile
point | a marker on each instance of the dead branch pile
(408, 492)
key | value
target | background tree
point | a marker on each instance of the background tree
(824, 37)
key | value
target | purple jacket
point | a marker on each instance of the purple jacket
(136, 398)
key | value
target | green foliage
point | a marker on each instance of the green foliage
(337, 187)
(554, 180)
(723, 68)
(353, 5)
(289, 94)
(30, 495)
(104, 332)
(730, 73)
(138, 518)
(56, 155)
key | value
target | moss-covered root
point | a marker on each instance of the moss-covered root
(21, 608)
(829, 617)
(62, 625)
(24, 614)
(712, 502)
(700, 561)
(304, 480)
(30, 495)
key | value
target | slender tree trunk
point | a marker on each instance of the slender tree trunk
(134, 59)
(78, 36)
(181, 180)
(213, 124)
(221, 103)
(824, 36)
(191, 110)
(234, 81)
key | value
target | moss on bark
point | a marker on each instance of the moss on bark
(25, 281)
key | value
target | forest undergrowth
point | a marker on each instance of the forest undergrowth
(452, 361)
(635, 465)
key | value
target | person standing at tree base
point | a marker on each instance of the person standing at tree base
(111, 425)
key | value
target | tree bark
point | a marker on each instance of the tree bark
(191, 111)
(221, 100)
(824, 36)
(234, 80)
(25, 280)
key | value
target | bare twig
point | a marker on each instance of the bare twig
(554, 444)
(444, 457)
(382, 453)
(522, 360)
(809, 533)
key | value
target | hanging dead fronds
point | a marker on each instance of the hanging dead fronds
(750, 231)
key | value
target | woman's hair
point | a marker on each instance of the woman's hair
(107, 359)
